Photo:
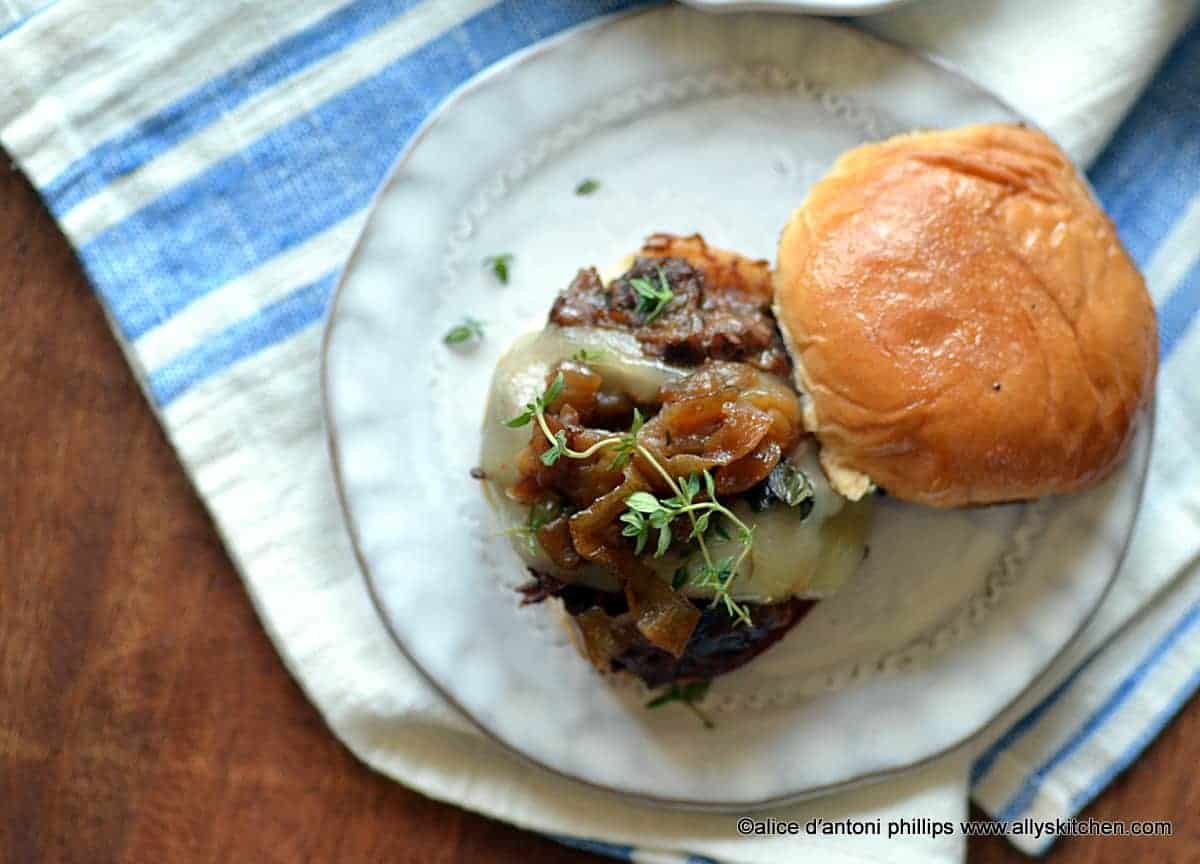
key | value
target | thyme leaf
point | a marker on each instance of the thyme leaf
(499, 265)
(628, 442)
(652, 298)
(557, 448)
(469, 329)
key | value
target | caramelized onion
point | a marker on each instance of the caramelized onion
(581, 481)
(555, 539)
(749, 471)
(595, 530)
(663, 617)
(604, 637)
(728, 417)
(661, 614)
(581, 385)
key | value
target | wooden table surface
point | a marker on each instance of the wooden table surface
(144, 716)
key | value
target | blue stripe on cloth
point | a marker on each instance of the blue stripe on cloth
(1024, 796)
(1151, 168)
(1156, 146)
(1178, 312)
(1018, 730)
(25, 19)
(1174, 317)
(699, 859)
(612, 850)
(1148, 734)
(299, 179)
(270, 325)
(137, 145)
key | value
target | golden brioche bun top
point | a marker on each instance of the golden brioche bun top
(966, 326)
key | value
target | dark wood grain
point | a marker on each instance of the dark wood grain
(144, 716)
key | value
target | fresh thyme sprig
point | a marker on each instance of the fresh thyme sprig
(628, 442)
(539, 404)
(536, 410)
(717, 577)
(652, 299)
(647, 512)
(558, 446)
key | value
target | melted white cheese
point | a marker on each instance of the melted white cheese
(521, 375)
(791, 556)
(795, 556)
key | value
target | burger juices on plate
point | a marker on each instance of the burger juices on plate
(965, 328)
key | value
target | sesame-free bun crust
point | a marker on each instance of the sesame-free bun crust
(965, 324)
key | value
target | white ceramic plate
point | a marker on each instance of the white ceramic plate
(690, 123)
(821, 7)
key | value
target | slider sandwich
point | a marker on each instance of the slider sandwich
(684, 455)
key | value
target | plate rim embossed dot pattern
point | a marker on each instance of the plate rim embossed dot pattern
(364, 328)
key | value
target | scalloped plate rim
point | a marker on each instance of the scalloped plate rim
(489, 76)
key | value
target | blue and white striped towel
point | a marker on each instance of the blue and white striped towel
(211, 164)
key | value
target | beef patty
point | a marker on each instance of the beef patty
(719, 309)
